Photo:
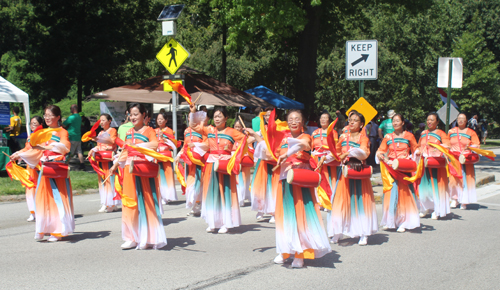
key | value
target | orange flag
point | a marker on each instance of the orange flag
(90, 134)
(271, 135)
(178, 87)
(331, 140)
(233, 166)
(16, 172)
(41, 135)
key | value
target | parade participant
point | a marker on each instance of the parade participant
(264, 180)
(192, 154)
(142, 224)
(400, 207)
(30, 192)
(102, 157)
(433, 189)
(299, 225)
(54, 212)
(243, 187)
(353, 205)
(463, 190)
(166, 139)
(330, 169)
(220, 208)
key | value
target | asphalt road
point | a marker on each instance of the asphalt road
(459, 252)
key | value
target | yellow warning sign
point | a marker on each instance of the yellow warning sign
(172, 55)
(362, 106)
(168, 88)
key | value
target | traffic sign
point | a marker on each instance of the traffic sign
(456, 73)
(442, 114)
(361, 60)
(172, 55)
(362, 106)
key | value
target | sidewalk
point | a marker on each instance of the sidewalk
(482, 178)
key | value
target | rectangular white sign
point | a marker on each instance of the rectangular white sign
(456, 72)
(361, 60)
(116, 110)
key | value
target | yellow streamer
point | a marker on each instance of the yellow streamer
(323, 199)
(20, 174)
(42, 136)
(179, 176)
(419, 173)
(152, 153)
(387, 179)
(486, 153)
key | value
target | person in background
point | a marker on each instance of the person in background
(421, 128)
(85, 128)
(386, 125)
(73, 124)
(372, 133)
(122, 130)
(484, 130)
(256, 120)
(14, 129)
(341, 122)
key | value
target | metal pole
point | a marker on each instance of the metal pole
(449, 96)
(174, 117)
(361, 88)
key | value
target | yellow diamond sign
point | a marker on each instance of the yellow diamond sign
(362, 106)
(172, 56)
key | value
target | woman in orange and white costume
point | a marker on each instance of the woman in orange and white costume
(30, 192)
(142, 224)
(353, 204)
(165, 135)
(193, 169)
(220, 207)
(54, 212)
(330, 169)
(244, 177)
(400, 205)
(106, 143)
(463, 191)
(299, 225)
(433, 190)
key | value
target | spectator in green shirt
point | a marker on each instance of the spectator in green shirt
(73, 124)
(122, 130)
(386, 125)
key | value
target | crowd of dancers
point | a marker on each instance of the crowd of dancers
(295, 176)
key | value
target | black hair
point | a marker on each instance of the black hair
(270, 108)
(237, 121)
(56, 111)
(164, 115)
(15, 110)
(222, 110)
(462, 113)
(330, 119)
(361, 117)
(139, 106)
(108, 116)
(38, 119)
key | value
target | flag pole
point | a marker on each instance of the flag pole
(448, 98)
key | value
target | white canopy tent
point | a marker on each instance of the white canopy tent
(12, 94)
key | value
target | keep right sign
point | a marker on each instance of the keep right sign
(361, 60)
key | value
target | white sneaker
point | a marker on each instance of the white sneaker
(110, 208)
(31, 218)
(298, 263)
(209, 230)
(363, 241)
(197, 209)
(242, 203)
(54, 239)
(385, 228)
(463, 206)
(39, 237)
(190, 213)
(129, 245)
(272, 220)
(103, 208)
(163, 202)
(423, 214)
(222, 230)
(259, 216)
(454, 203)
(401, 229)
(279, 259)
(335, 239)
(142, 247)
(434, 216)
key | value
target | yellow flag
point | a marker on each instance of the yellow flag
(152, 153)
(324, 201)
(16, 172)
(485, 153)
(419, 173)
(179, 175)
(387, 179)
(42, 136)
(453, 161)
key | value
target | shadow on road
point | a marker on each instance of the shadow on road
(451, 216)
(475, 206)
(247, 228)
(373, 240)
(174, 202)
(263, 249)
(422, 228)
(327, 261)
(168, 221)
(79, 236)
(180, 243)
(77, 216)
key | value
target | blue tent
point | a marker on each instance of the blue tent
(275, 99)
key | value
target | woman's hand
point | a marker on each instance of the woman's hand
(113, 168)
(250, 131)
(14, 157)
(381, 156)
(343, 156)
(192, 108)
(190, 146)
(281, 159)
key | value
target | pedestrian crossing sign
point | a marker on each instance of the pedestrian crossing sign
(172, 55)
(362, 106)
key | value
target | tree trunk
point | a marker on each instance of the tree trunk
(307, 58)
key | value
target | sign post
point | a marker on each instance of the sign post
(361, 62)
(450, 74)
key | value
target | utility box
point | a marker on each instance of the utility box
(168, 28)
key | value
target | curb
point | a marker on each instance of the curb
(485, 180)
